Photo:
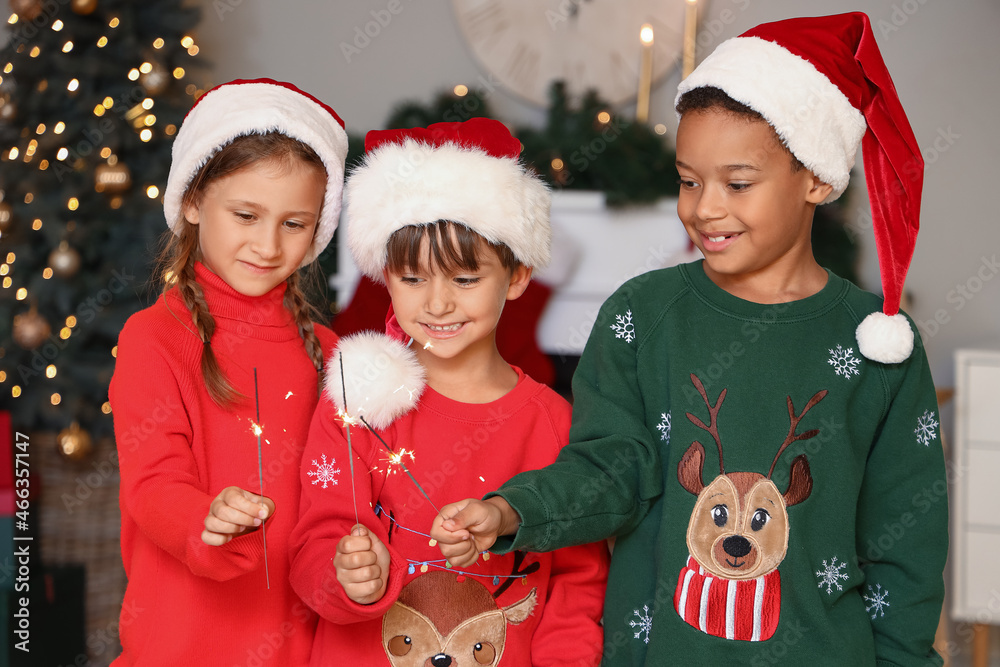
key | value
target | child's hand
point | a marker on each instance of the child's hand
(468, 527)
(362, 563)
(233, 512)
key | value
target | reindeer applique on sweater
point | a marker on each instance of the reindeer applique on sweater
(737, 535)
(444, 620)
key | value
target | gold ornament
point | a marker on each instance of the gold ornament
(27, 10)
(83, 7)
(6, 215)
(30, 329)
(64, 260)
(75, 443)
(156, 80)
(112, 178)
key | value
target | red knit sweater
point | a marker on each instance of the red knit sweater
(460, 450)
(188, 603)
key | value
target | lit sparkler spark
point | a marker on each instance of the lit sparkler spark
(256, 428)
(396, 459)
(428, 345)
(347, 419)
(288, 394)
(400, 461)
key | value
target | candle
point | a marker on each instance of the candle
(690, 36)
(645, 73)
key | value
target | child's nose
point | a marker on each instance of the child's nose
(267, 241)
(439, 298)
(710, 204)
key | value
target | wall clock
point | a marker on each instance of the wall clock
(527, 44)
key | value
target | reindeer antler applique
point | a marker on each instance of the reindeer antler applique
(738, 533)
(697, 450)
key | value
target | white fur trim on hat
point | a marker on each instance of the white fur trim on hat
(237, 109)
(381, 376)
(414, 183)
(885, 338)
(812, 116)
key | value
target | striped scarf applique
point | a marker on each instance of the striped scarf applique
(745, 610)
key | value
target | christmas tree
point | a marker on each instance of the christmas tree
(92, 93)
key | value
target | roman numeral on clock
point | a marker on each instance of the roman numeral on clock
(522, 65)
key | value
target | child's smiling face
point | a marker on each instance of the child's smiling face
(741, 201)
(256, 225)
(453, 314)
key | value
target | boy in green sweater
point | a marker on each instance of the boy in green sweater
(759, 435)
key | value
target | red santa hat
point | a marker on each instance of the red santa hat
(822, 85)
(465, 172)
(258, 106)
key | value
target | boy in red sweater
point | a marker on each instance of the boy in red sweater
(253, 196)
(452, 223)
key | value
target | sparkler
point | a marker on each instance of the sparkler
(398, 458)
(383, 399)
(260, 474)
(347, 424)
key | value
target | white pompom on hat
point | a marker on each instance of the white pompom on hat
(822, 85)
(466, 172)
(258, 106)
(374, 377)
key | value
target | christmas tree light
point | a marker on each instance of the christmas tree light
(81, 186)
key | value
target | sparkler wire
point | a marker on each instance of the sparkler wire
(350, 451)
(401, 464)
(260, 474)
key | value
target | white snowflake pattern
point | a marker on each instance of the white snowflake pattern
(324, 472)
(831, 575)
(925, 430)
(664, 427)
(623, 326)
(877, 600)
(645, 623)
(844, 362)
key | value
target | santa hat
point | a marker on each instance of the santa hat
(466, 173)
(822, 85)
(258, 106)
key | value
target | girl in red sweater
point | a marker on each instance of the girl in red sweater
(215, 384)
(450, 220)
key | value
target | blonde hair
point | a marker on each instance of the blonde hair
(176, 261)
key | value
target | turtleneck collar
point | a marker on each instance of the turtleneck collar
(262, 316)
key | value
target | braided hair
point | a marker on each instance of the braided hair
(182, 251)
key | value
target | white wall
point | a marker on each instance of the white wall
(943, 57)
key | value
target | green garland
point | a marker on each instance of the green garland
(590, 147)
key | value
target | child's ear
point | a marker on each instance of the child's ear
(519, 279)
(819, 191)
(192, 213)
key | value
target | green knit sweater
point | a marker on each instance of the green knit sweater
(824, 541)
